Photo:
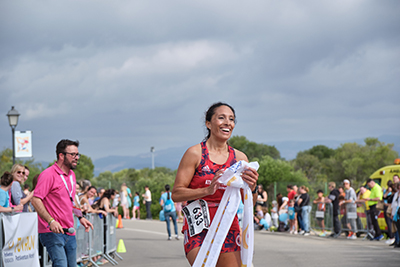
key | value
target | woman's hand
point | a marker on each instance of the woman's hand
(250, 176)
(214, 183)
(19, 207)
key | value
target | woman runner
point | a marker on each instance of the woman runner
(197, 176)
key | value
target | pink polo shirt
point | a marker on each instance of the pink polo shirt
(55, 197)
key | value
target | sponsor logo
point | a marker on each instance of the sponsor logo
(206, 168)
(23, 244)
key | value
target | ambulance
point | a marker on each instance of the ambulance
(383, 175)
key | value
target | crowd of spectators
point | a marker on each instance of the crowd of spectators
(291, 213)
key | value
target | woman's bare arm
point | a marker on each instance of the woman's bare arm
(181, 191)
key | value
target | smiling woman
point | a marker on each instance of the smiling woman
(197, 183)
(17, 195)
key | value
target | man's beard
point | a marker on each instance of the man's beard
(69, 164)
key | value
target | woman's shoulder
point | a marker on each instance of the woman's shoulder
(195, 150)
(193, 154)
(240, 155)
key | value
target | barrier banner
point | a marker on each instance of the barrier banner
(21, 242)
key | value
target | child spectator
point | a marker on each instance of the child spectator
(274, 213)
(320, 201)
(292, 216)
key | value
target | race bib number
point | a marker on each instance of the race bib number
(197, 216)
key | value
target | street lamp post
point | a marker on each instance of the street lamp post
(152, 157)
(13, 121)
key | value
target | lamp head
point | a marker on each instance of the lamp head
(13, 117)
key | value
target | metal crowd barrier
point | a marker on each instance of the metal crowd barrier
(354, 217)
(110, 236)
(100, 242)
(321, 214)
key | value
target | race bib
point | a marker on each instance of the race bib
(197, 216)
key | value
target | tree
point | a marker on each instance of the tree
(278, 171)
(6, 164)
(357, 162)
(319, 151)
(252, 149)
(85, 169)
(105, 180)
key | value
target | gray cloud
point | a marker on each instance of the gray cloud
(123, 76)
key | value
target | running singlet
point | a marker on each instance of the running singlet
(206, 170)
(202, 178)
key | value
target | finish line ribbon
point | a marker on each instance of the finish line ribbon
(210, 249)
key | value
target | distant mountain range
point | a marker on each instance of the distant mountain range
(171, 157)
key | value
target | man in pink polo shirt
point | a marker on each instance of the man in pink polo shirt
(53, 201)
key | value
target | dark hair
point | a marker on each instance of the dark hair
(6, 179)
(62, 145)
(279, 199)
(289, 186)
(369, 180)
(26, 167)
(26, 186)
(108, 193)
(91, 187)
(34, 181)
(320, 191)
(137, 193)
(167, 188)
(211, 111)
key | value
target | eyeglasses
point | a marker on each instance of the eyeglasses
(73, 154)
(19, 172)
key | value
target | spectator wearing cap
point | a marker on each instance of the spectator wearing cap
(350, 200)
(375, 196)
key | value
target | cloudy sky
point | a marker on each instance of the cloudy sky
(122, 76)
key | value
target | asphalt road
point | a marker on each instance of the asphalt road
(146, 244)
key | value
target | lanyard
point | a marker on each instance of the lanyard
(66, 186)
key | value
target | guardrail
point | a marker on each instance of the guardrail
(100, 242)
